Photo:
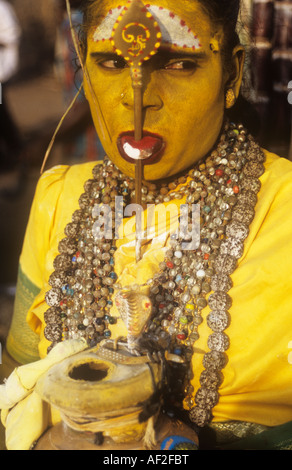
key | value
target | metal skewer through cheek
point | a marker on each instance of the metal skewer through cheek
(136, 37)
(138, 104)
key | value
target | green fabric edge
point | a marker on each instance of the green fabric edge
(275, 438)
(22, 342)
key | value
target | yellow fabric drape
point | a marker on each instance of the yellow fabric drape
(257, 384)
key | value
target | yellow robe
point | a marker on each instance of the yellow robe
(257, 384)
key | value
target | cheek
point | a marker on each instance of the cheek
(106, 92)
(197, 94)
(104, 97)
(196, 108)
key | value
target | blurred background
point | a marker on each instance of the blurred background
(38, 81)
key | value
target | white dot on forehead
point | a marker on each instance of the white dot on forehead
(174, 30)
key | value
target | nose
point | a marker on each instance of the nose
(151, 98)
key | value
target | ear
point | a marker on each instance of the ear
(234, 80)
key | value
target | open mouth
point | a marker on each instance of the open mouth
(148, 149)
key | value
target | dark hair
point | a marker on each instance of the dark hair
(225, 14)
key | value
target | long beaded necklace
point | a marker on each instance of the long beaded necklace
(225, 185)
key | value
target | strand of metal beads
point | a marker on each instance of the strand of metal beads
(179, 291)
(231, 250)
(82, 283)
(83, 277)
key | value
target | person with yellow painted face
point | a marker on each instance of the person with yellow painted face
(221, 310)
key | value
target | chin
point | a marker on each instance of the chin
(160, 172)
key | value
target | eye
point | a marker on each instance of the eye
(115, 63)
(185, 65)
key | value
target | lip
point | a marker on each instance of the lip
(147, 150)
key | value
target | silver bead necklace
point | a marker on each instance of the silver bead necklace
(225, 186)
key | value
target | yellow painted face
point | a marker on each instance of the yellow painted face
(183, 88)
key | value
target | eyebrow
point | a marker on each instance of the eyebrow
(162, 51)
(171, 52)
(103, 54)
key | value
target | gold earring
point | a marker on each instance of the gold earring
(230, 98)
